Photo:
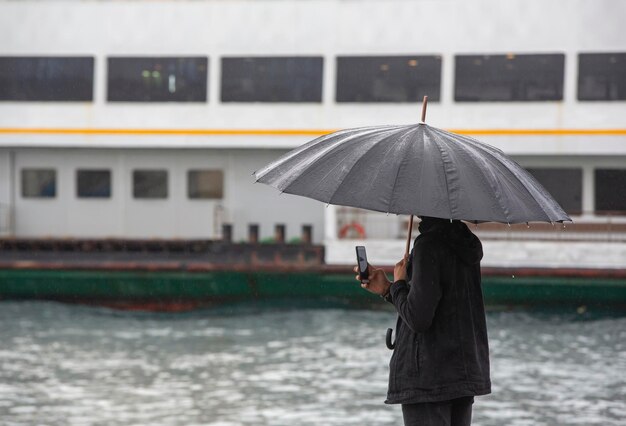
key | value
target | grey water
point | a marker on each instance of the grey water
(267, 365)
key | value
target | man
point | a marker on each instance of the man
(441, 356)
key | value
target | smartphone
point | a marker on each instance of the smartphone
(361, 261)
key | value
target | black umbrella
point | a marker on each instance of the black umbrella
(415, 170)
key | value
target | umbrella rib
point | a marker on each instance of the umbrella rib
(546, 199)
(543, 195)
(503, 159)
(331, 140)
(259, 174)
(334, 168)
(389, 149)
(353, 168)
(393, 189)
(436, 140)
(540, 204)
(304, 167)
(485, 155)
(490, 177)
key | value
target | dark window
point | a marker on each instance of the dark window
(610, 188)
(388, 78)
(296, 79)
(39, 183)
(157, 79)
(487, 78)
(46, 78)
(150, 183)
(205, 184)
(93, 183)
(565, 185)
(602, 76)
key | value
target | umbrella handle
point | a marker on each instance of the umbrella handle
(408, 237)
(388, 342)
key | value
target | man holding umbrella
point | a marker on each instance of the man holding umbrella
(441, 355)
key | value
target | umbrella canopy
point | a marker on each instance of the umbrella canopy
(414, 170)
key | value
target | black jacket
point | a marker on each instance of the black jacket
(441, 349)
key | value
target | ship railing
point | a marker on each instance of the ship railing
(365, 224)
(588, 226)
(5, 219)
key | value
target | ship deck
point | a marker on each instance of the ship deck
(183, 275)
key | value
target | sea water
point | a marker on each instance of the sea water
(264, 364)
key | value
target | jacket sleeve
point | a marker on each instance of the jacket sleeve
(416, 304)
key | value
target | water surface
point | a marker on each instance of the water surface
(267, 365)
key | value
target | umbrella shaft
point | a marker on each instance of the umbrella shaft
(408, 238)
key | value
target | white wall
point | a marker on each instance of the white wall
(175, 217)
(265, 205)
(5, 176)
(217, 28)
(508, 254)
(179, 217)
(5, 192)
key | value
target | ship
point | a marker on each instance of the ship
(129, 132)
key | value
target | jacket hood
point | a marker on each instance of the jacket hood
(455, 235)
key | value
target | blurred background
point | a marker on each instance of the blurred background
(129, 131)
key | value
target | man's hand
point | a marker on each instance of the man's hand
(379, 284)
(399, 271)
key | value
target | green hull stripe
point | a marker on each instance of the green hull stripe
(185, 286)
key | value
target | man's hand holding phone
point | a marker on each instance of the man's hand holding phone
(376, 281)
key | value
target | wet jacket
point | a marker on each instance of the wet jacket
(441, 349)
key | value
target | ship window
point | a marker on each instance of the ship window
(39, 183)
(388, 78)
(602, 77)
(150, 183)
(610, 188)
(565, 185)
(275, 79)
(150, 79)
(205, 184)
(93, 183)
(46, 78)
(506, 78)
